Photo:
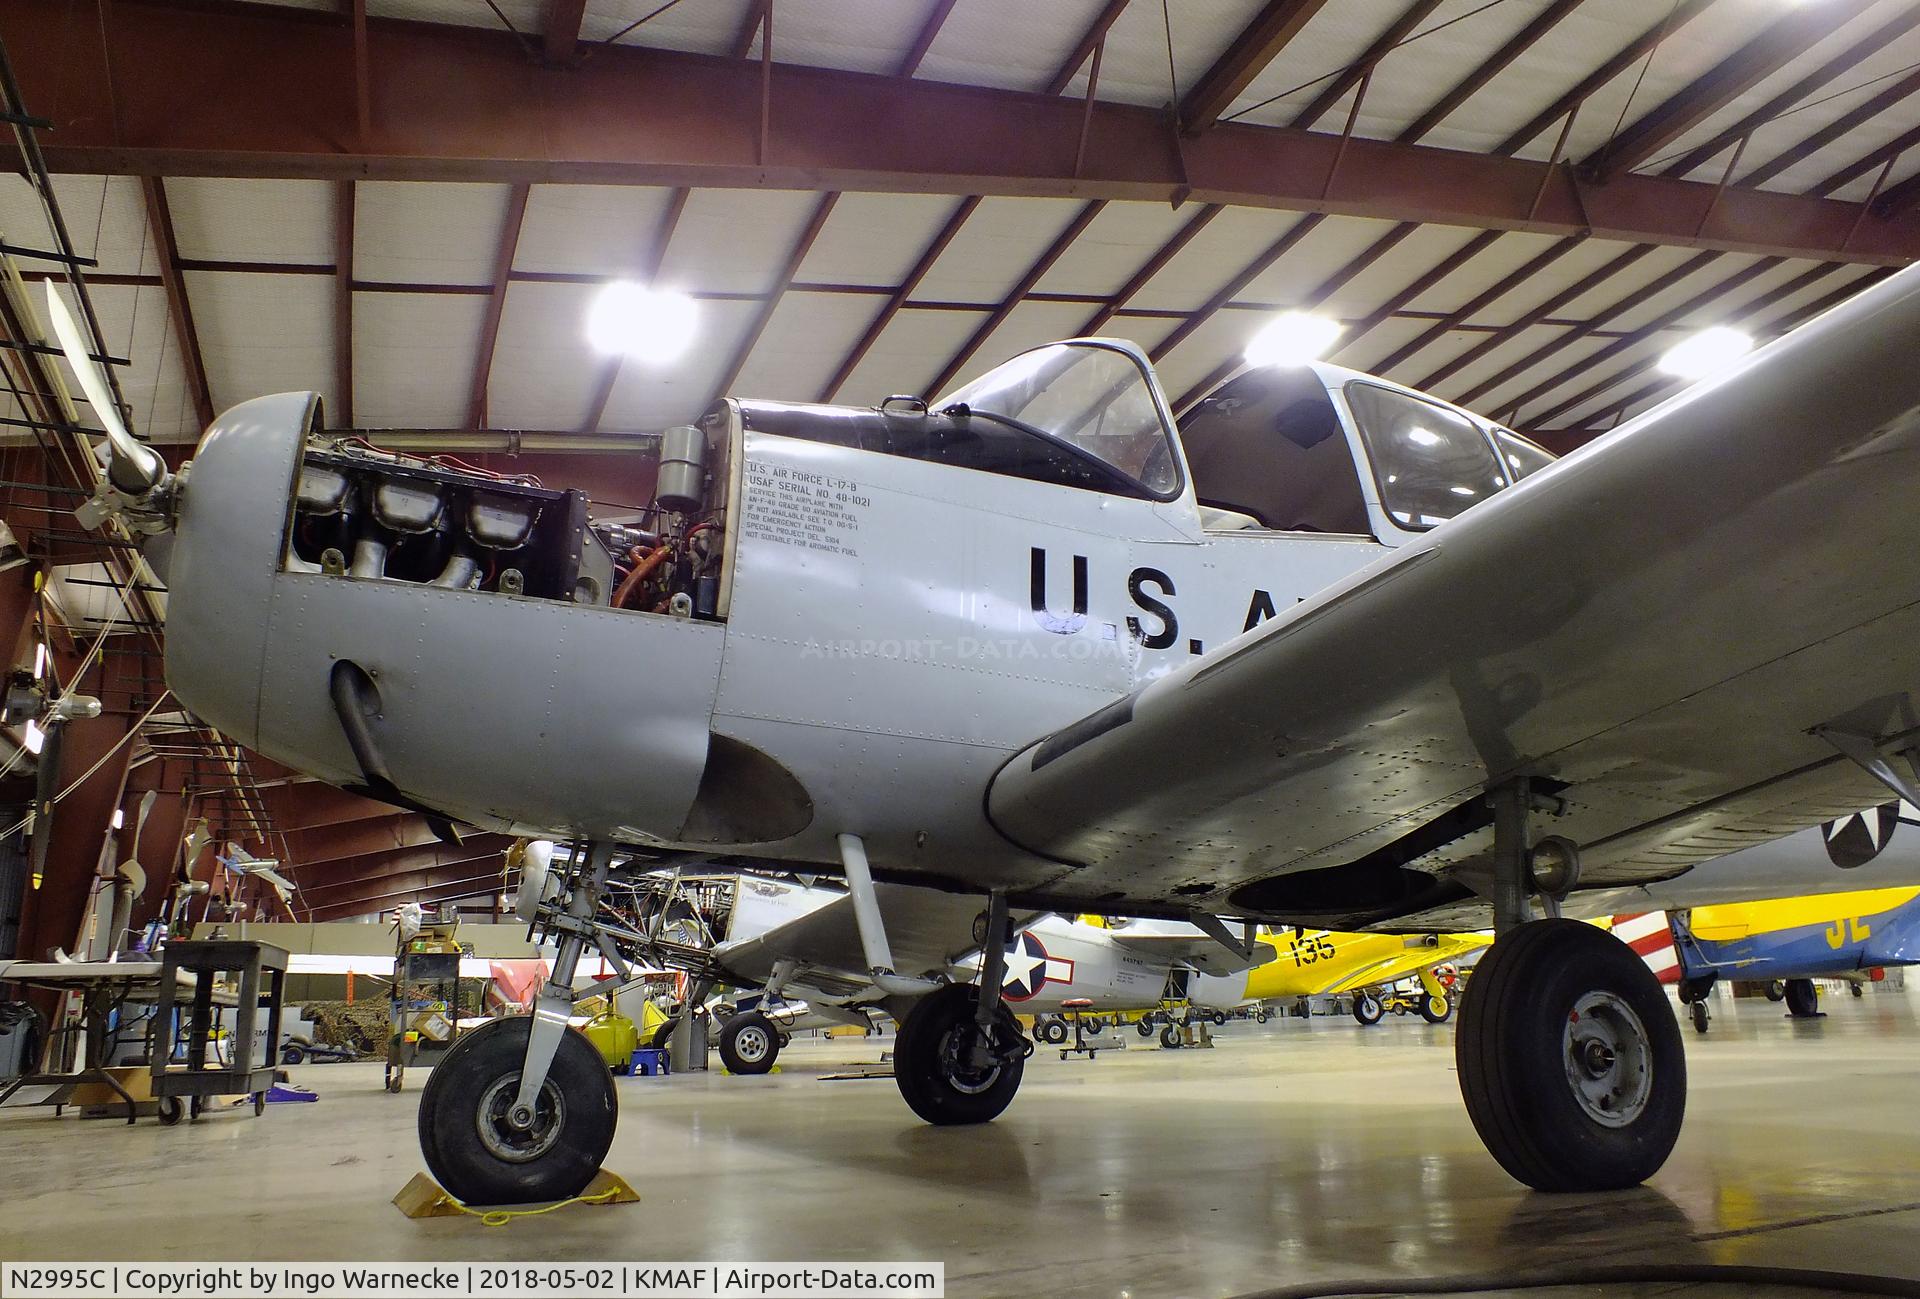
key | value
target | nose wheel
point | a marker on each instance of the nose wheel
(486, 1147)
(1570, 1060)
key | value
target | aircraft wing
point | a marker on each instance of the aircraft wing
(1653, 627)
(926, 930)
(1398, 965)
(1194, 950)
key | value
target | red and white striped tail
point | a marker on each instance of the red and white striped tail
(1651, 936)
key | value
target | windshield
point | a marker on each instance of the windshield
(1094, 399)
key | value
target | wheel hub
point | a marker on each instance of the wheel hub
(519, 1133)
(956, 1054)
(1609, 1059)
(750, 1043)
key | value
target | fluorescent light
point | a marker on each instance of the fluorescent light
(1293, 338)
(119, 819)
(1706, 352)
(36, 738)
(650, 325)
(39, 660)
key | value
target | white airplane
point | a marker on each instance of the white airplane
(796, 943)
(1330, 653)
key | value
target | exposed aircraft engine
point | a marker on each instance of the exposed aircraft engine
(363, 512)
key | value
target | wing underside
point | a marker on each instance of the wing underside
(1652, 629)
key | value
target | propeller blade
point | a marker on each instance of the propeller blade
(136, 469)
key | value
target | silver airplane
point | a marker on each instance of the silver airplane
(1329, 652)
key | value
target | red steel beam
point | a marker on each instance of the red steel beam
(929, 32)
(348, 879)
(798, 254)
(1480, 301)
(1839, 64)
(1496, 63)
(208, 92)
(1757, 307)
(328, 845)
(1666, 320)
(998, 315)
(343, 213)
(160, 221)
(656, 253)
(1841, 127)
(1153, 266)
(1096, 32)
(897, 298)
(1783, 41)
(1631, 53)
(442, 889)
(496, 303)
(560, 40)
(1270, 32)
(1572, 293)
(1354, 73)
(1251, 272)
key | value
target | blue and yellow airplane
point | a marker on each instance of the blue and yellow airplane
(1792, 941)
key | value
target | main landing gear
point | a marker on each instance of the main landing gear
(1570, 1059)
(959, 1054)
(750, 1042)
(523, 1110)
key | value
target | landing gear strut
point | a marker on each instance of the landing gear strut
(523, 1110)
(1570, 1059)
(959, 1054)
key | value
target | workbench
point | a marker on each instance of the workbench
(104, 988)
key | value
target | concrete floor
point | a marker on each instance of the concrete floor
(1295, 1151)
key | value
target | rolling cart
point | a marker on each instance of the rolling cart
(427, 960)
(194, 965)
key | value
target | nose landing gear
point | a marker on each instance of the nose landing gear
(523, 1110)
(1570, 1059)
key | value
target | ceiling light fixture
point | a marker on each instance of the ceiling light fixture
(654, 326)
(1707, 352)
(1293, 338)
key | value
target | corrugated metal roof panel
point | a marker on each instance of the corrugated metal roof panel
(805, 340)
(875, 238)
(263, 334)
(239, 220)
(602, 230)
(413, 358)
(427, 233)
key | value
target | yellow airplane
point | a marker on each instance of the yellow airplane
(1319, 962)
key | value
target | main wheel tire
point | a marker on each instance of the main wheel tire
(1803, 999)
(1052, 1031)
(927, 1060)
(1856, 989)
(749, 1043)
(1144, 1027)
(1435, 1010)
(1262, 1015)
(478, 1156)
(1219, 1018)
(1094, 1026)
(1776, 991)
(292, 1053)
(1367, 1008)
(1570, 1060)
(1698, 1012)
(1170, 1038)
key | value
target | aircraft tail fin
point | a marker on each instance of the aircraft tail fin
(1650, 935)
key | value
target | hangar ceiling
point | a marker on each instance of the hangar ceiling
(408, 204)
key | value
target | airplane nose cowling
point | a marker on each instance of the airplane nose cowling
(533, 708)
(225, 553)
